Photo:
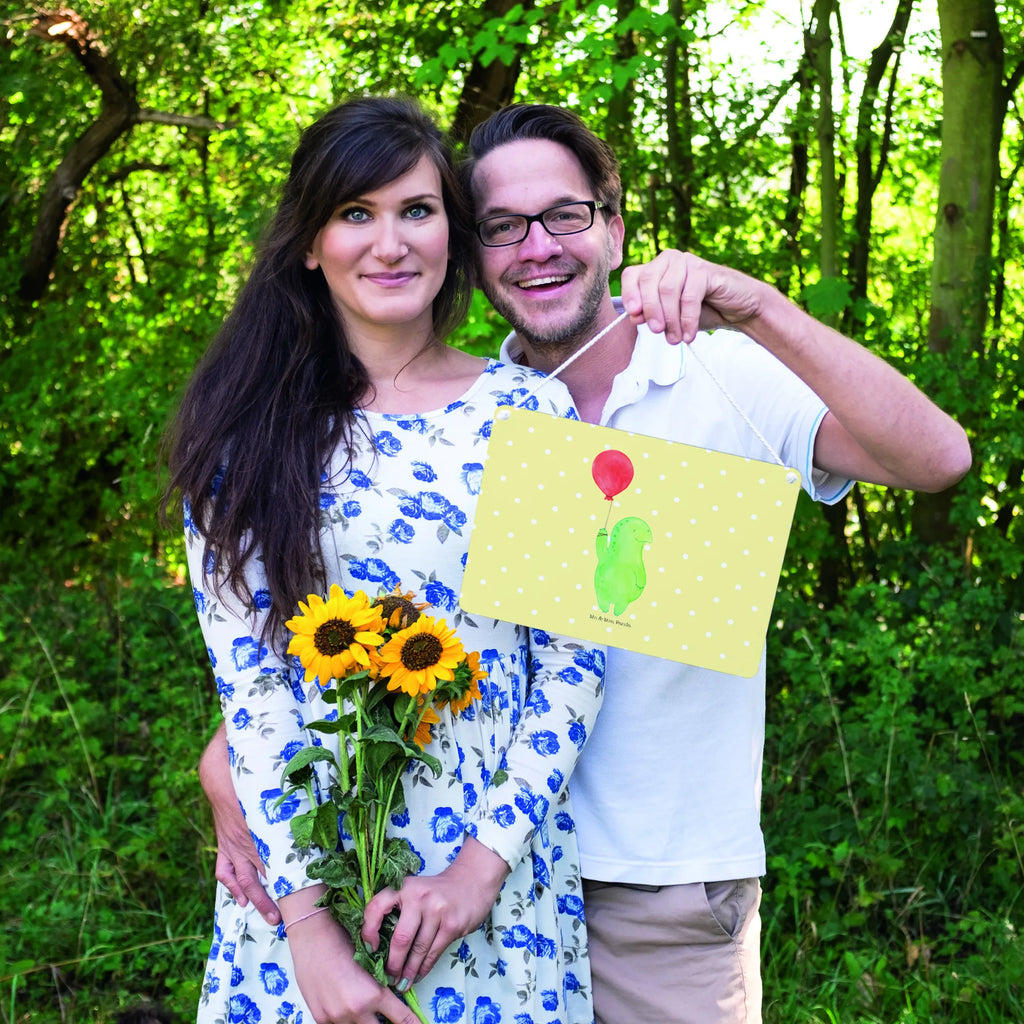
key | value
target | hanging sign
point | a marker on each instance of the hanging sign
(630, 541)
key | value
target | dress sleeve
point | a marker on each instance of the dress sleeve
(264, 706)
(564, 694)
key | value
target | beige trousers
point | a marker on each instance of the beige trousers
(675, 954)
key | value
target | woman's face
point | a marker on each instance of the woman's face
(385, 254)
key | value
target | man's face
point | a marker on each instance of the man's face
(552, 289)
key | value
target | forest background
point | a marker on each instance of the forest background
(865, 157)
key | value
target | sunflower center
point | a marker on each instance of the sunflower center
(334, 636)
(421, 651)
(391, 603)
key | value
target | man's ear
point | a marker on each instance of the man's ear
(616, 236)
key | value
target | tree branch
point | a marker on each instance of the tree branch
(119, 112)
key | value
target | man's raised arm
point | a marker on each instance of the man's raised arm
(880, 429)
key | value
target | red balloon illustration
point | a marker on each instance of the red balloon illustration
(612, 472)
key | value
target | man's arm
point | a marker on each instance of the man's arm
(238, 864)
(880, 427)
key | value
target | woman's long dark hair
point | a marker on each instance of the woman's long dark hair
(275, 394)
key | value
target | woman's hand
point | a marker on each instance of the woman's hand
(336, 989)
(435, 910)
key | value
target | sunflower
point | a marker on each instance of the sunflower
(398, 609)
(423, 731)
(417, 657)
(332, 636)
(472, 692)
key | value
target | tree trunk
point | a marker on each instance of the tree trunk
(973, 106)
(486, 89)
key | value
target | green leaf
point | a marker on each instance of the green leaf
(298, 770)
(827, 298)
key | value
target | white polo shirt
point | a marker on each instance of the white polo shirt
(668, 788)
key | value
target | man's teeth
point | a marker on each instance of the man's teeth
(537, 282)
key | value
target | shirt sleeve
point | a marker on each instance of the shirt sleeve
(264, 705)
(564, 694)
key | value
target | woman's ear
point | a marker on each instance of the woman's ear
(311, 261)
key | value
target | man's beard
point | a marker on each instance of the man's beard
(566, 337)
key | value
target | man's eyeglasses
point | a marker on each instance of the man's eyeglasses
(564, 219)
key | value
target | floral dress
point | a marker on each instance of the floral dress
(402, 515)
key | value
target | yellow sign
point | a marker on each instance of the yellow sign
(627, 540)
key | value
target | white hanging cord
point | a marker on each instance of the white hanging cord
(692, 351)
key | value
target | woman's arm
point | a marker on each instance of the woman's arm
(564, 696)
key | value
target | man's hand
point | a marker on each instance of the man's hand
(680, 294)
(435, 910)
(238, 864)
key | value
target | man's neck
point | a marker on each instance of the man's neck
(589, 378)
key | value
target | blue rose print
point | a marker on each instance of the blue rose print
(541, 874)
(540, 638)
(572, 983)
(549, 999)
(518, 937)
(274, 811)
(578, 734)
(227, 952)
(401, 531)
(242, 1010)
(351, 509)
(327, 500)
(289, 750)
(545, 742)
(441, 596)
(486, 1011)
(472, 476)
(237, 977)
(533, 805)
(199, 598)
(573, 676)
(564, 822)
(504, 815)
(433, 505)
(274, 979)
(449, 1006)
(555, 781)
(357, 478)
(387, 444)
(570, 904)
(261, 600)
(538, 701)
(446, 825)
(282, 887)
(241, 718)
(590, 660)
(424, 472)
(546, 948)
(484, 433)
(247, 652)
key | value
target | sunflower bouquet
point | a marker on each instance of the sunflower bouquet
(390, 669)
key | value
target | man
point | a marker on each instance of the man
(667, 791)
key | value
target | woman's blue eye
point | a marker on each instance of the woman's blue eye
(418, 212)
(355, 215)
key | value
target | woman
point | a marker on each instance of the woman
(330, 436)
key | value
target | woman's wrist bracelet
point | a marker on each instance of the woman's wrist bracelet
(305, 917)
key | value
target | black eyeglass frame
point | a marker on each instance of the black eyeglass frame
(593, 205)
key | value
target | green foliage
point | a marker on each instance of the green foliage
(107, 883)
(893, 776)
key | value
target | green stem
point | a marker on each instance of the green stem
(414, 1004)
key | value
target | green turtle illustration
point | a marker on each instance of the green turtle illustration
(620, 576)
